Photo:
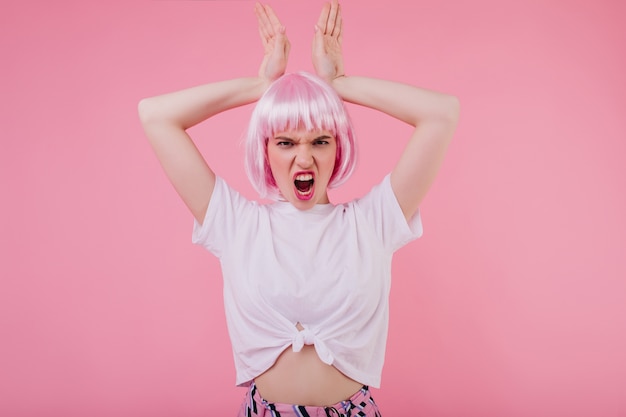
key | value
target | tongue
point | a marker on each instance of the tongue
(303, 185)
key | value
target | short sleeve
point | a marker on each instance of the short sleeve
(218, 228)
(383, 212)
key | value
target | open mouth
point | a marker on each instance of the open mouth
(304, 186)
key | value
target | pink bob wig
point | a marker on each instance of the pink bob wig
(293, 101)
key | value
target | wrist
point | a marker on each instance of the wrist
(262, 85)
(337, 83)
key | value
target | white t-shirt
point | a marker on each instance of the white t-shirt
(327, 268)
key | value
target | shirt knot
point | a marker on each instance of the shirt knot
(307, 337)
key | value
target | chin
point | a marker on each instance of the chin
(303, 205)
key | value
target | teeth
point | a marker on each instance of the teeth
(304, 177)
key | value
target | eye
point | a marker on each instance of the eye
(322, 140)
(282, 142)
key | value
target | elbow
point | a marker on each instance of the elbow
(444, 114)
(154, 115)
(443, 111)
(448, 115)
(451, 110)
(146, 112)
(150, 117)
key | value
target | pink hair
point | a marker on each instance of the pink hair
(292, 101)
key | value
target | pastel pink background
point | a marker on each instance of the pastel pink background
(512, 304)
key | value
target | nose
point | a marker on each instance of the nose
(304, 157)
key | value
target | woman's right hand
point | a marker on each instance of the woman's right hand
(167, 117)
(275, 43)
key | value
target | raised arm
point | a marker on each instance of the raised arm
(166, 118)
(434, 115)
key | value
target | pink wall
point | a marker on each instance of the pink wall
(513, 303)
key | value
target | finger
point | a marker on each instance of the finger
(273, 19)
(279, 41)
(286, 50)
(332, 16)
(259, 16)
(321, 22)
(279, 54)
(318, 41)
(265, 27)
(338, 26)
(287, 44)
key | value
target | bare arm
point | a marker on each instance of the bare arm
(166, 118)
(434, 115)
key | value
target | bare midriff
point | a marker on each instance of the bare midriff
(302, 378)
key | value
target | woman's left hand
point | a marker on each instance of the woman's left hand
(327, 54)
(275, 43)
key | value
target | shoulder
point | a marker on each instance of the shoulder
(228, 212)
(381, 210)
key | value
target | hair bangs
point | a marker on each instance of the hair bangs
(299, 106)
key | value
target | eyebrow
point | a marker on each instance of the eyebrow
(293, 140)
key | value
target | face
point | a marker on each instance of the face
(302, 163)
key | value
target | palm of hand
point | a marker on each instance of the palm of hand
(328, 57)
(327, 54)
(274, 59)
(275, 43)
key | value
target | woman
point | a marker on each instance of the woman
(306, 282)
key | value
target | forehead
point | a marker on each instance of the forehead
(303, 134)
